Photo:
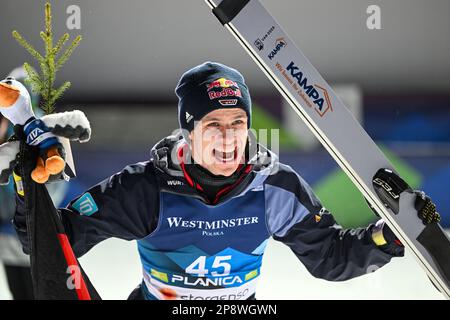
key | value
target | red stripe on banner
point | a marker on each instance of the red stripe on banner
(82, 291)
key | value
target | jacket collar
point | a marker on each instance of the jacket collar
(166, 158)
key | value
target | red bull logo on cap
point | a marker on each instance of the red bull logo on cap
(221, 83)
(228, 88)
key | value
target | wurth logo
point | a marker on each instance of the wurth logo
(174, 183)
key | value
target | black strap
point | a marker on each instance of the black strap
(437, 244)
(228, 9)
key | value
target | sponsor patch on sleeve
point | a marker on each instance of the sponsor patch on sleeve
(19, 184)
(85, 205)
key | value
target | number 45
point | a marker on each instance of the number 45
(198, 267)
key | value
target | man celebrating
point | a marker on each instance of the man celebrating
(205, 204)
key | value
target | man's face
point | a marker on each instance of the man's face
(219, 139)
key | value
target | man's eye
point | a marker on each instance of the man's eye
(237, 122)
(213, 124)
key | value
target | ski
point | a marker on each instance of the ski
(339, 132)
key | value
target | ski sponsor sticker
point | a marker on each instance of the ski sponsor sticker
(280, 43)
(314, 95)
(259, 43)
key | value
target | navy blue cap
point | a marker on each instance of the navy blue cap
(208, 87)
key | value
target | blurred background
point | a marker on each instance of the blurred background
(396, 81)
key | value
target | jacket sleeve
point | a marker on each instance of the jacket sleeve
(124, 206)
(7, 204)
(296, 218)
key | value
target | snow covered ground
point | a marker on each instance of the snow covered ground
(114, 268)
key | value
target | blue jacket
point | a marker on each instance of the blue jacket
(193, 250)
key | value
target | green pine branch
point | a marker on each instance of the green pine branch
(24, 43)
(33, 78)
(63, 59)
(43, 83)
(61, 42)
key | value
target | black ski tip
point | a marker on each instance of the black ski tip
(227, 10)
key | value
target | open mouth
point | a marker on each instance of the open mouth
(225, 156)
